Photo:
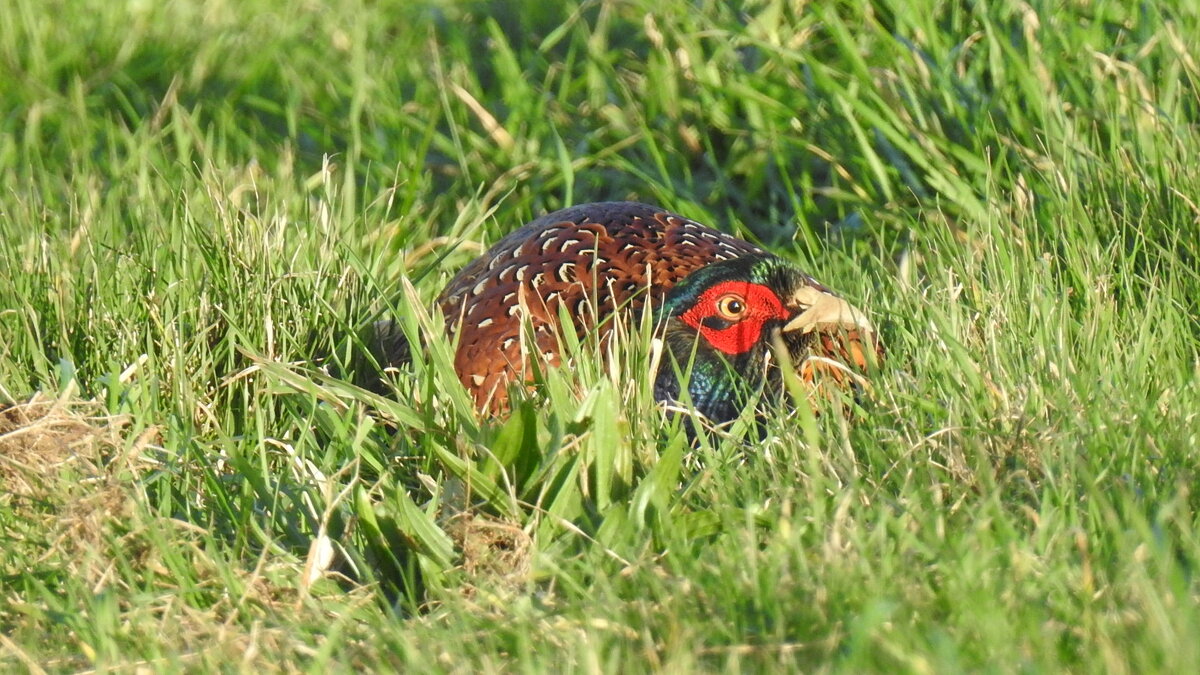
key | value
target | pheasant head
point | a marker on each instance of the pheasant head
(732, 325)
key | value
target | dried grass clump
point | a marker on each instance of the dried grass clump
(66, 477)
(43, 437)
(73, 506)
(494, 552)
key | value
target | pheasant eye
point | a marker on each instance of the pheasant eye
(731, 306)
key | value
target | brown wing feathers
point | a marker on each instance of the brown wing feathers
(589, 260)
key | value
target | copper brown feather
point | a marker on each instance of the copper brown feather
(590, 259)
(585, 262)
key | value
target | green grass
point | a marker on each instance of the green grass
(203, 202)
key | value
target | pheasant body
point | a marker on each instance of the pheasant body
(720, 303)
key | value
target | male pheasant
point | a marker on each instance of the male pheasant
(726, 311)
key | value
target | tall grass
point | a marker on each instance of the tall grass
(205, 203)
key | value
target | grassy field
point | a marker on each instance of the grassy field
(205, 201)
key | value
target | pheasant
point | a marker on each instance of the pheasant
(726, 311)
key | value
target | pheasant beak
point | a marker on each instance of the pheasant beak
(845, 339)
(825, 312)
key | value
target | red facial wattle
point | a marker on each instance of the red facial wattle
(761, 304)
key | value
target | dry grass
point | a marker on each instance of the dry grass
(70, 480)
(67, 472)
(495, 553)
(43, 437)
